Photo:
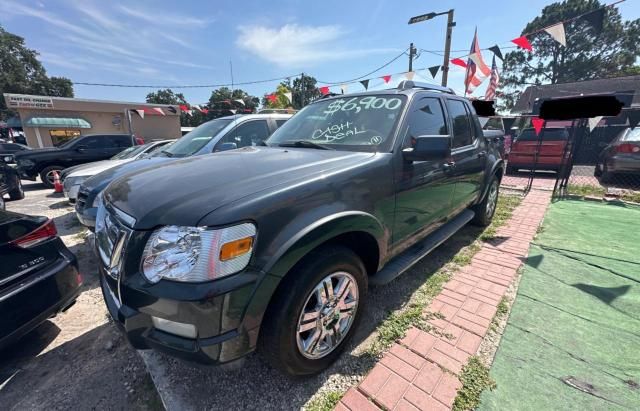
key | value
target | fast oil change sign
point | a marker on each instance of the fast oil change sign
(18, 101)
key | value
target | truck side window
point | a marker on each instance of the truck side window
(247, 134)
(93, 142)
(122, 141)
(462, 135)
(426, 119)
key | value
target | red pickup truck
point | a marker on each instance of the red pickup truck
(527, 146)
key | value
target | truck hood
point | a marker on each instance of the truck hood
(102, 179)
(36, 152)
(182, 192)
(94, 168)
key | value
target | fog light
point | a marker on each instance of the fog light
(172, 327)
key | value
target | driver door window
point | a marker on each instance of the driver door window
(426, 119)
(246, 134)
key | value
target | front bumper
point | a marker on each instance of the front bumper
(215, 308)
(40, 296)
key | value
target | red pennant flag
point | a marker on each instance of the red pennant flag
(204, 110)
(324, 90)
(184, 108)
(538, 123)
(459, 62)
(386, 78)
(272, 97)
(523, 42)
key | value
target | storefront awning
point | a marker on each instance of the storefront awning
(61, 122)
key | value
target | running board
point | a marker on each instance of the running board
(402, 262)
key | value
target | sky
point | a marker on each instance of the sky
(197, 42)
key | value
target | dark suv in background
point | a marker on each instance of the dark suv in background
(273, 246)
(44, 162)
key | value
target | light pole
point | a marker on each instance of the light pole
(447, 41)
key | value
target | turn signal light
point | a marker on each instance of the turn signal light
(236, 248)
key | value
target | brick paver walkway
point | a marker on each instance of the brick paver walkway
(420, 372)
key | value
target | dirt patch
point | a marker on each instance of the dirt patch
(77, 360)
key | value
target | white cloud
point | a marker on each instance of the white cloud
(295, 45)
(169, 18)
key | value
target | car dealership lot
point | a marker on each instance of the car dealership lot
(79, 359)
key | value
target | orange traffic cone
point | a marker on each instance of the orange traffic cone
(57, 185)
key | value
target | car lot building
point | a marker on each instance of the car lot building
(50, 121)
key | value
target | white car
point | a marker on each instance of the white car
(73, 177)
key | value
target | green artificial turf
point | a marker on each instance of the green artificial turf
(573, 337)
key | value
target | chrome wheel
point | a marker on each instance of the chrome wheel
(50, 177)
(492, 199)
(327, 315)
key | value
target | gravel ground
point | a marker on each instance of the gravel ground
(77, 360)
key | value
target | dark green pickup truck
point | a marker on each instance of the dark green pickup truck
(273, 246)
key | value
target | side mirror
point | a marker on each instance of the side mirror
(80, 149)
(428, 148)
(227, 146)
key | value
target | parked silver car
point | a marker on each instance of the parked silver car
(73, 177)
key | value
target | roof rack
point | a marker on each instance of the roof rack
(407, 84)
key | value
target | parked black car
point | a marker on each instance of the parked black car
(8, 150)
(38, 274)
(273, 247)
(621, 157)
(44, 162)
(10, 184)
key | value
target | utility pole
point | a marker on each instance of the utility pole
(447, 42)
(447, 47)
(303, 90)
(412, 52)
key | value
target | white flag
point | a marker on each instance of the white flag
(240, 101)
(233, 111)
(557, 32)
(343, 88)
(159, 110)
(483, 121)
(410, 75)
(593, 122)
(289, 96)
(140, 113)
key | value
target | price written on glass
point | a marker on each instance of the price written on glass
(365, 103)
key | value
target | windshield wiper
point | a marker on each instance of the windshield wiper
(166, 153)
(304, 143)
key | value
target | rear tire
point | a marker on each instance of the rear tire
(301, 303)
(510, 170)
(18, 192)
(2, 205)
(487, 208)
(46, 175)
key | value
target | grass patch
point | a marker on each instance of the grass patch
(475, 378)
(395, 326)
(325, 401)
(632, 196)
(598, 191)
(501, 311)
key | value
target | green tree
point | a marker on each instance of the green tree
(22, 73)
(223, 100)
(168, 96)
(304, 91)
(282, 101)
(588, 55)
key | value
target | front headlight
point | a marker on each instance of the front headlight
(195, 254)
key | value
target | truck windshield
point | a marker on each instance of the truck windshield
(361, 123)
(194, 140)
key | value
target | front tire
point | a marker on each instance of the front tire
(315, 312)
(18, 192)
(487, 208)
(46, 175)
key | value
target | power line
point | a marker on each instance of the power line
(82, 83)
(404, 52)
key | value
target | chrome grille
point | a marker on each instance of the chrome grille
(111, 239)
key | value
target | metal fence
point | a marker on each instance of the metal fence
(576, 158)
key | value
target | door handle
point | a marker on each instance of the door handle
(448, 166)
(482, 154)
